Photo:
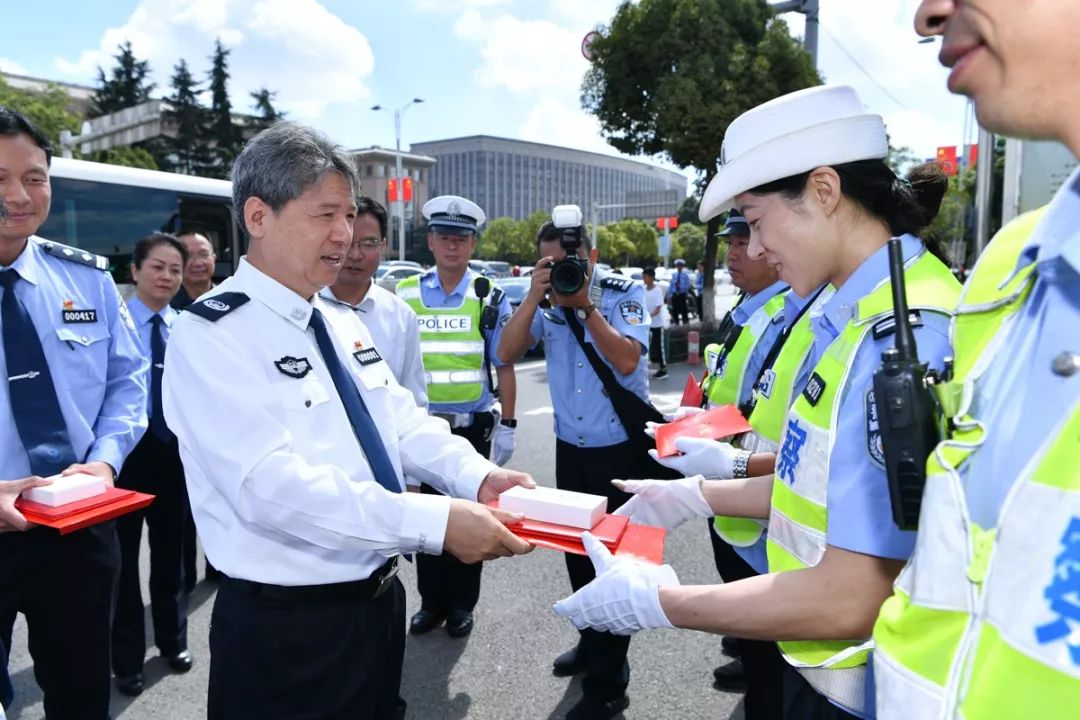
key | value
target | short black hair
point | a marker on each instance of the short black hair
(370, 206)
(650, 271)
(549, 233)
(13, 123)
(151, 241)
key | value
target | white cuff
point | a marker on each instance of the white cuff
(467, 483)
(423, 524)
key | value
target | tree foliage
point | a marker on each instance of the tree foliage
(48, 110)
(669, 76)
(264, 107)
(127, 85)
(187, 152)
(221, 131)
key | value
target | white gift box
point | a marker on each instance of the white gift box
(64, 490)
(562, 507)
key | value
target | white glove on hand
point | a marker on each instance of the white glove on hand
(502, 445)
(701, 456)
(624, 597)
(683, 411)
(663, 503)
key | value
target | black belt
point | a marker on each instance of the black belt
(367, 589)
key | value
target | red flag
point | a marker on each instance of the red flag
(406, 189)
(667, 223)
(391, 190)
(946, 156)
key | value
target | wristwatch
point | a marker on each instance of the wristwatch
(509, 422)
(584, 313)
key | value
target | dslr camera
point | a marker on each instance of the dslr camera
(569, 274)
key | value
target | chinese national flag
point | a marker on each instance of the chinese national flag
(946, 156)
(406, 189)
(391, 190)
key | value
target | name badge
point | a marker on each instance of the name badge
(367, 356)
(79, 316)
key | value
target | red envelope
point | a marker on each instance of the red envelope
(77, 515)
(614, 531)
(719, 422)
(691, 394)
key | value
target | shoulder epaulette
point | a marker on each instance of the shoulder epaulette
(887, 326)
(73, 254)
(217, 307)
(613, 283)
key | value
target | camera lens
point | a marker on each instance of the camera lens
(567, 277)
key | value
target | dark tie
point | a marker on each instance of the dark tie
(362, 424)
(34, 402)
(157, 368)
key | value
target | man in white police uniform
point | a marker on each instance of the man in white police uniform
(295, 437)
(389, 319)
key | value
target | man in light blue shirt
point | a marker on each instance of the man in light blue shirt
(592, 447)
(74, 400)
(679, 292)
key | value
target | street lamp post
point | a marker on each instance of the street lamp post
(400, 202)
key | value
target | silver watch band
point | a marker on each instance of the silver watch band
(739, 465)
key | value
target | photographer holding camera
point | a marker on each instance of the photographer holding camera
(579, 313)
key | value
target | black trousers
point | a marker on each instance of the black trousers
(699, 299)
(803, 702)
(679, 308)
(657, 351)
(591, 470)
(153, 467)
(65, 586)
(278, 660)
(445, 583)
(763, 665)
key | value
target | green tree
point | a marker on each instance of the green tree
(127, 155)
(643, 238)
(221, 131)
(186, 151)
(615, 249)
(264, 107)
(669, 76)
(504, 239)
(688, 211)
(127, 85)
(48, 109)
(688, 243)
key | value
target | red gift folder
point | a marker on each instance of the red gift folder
(77, 515)
(691, 394)
(719, 422)
(614, 531)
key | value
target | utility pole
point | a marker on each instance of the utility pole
(399, 203)
(809, 8)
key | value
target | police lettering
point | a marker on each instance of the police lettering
(444, 323)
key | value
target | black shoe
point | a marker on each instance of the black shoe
(425, 621)
(459, 623)
(661, 373)
(180, 662)
(569, 663)
(130, 685)
(730, 646)
(590, 708)
(730, 677)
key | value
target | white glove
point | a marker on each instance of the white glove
(663, 503)
(701, 456)
(624, 597)
(679, 414)
(502, 445)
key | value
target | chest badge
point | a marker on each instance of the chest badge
(293, 367)
(370, 356)
(70, 314)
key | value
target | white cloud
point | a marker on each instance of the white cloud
(297, 48)
(10, 66)
(456, 6)
(553, 122)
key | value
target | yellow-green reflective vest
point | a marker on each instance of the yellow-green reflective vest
(726, 377)
(727, 370)
(773, 401)
(798, 522)
(958, 637)
(451, 344)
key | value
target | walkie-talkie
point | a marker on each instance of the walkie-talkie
(489, 318)
(905, 407)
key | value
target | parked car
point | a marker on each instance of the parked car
(402, 263)
(516, 288)
(481, 267)
(498, 268)
(395, 274)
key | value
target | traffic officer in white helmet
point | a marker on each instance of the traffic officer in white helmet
(460, 314)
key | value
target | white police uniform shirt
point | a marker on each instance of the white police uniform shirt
(280, 489)
(392, 324)
(584, 417)
(89, 342)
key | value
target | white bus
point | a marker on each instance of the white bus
(105, 209)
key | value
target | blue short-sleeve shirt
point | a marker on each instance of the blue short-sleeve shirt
(583, 415)
(434, 296)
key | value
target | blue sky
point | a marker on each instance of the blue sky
(511, 68)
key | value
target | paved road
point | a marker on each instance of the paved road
(503, 669)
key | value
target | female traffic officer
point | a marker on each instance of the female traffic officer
(807, 171)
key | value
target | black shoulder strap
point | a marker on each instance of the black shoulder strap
(217, 307)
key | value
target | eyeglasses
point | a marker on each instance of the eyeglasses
(368, 245)
(204, 255)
